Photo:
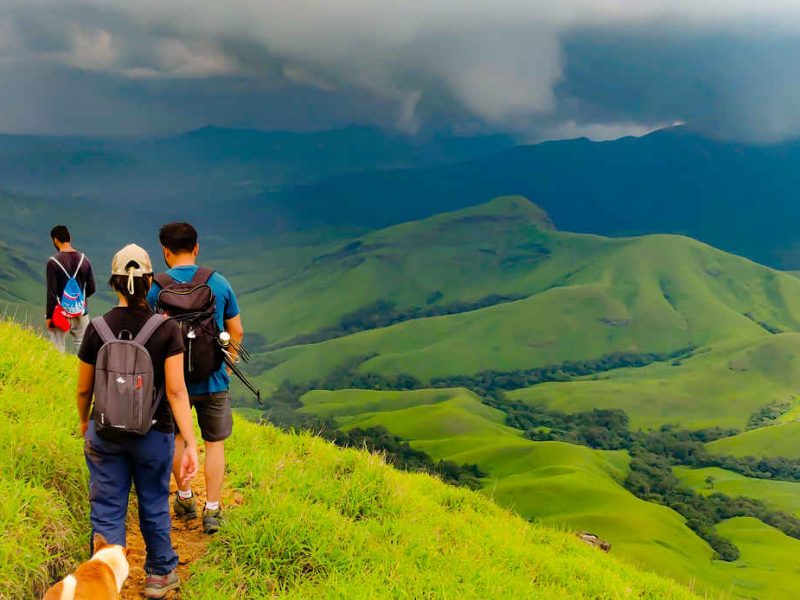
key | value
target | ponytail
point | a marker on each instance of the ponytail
(137, 296)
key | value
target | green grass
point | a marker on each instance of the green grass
(721, 385)
(575, 487)
(317, 521)
(586, 296)
(777, 440)
(43, 480)
(779, 495)
(554, 482)
(767, 568)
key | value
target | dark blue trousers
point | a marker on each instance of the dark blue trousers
(147, 463)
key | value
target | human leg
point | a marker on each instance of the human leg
(78, 329)
(215, 418)
(59, 338)
(151, 467)
(216, 424)
(109, 485)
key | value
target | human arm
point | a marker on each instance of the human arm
(90, 285)
(178, 399)
(84, 393)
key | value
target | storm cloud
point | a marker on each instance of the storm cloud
(534, 68)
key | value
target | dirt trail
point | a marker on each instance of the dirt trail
(187, 537)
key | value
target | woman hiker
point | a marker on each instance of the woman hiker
(116, 457)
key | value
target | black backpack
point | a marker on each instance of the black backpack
(192, 305)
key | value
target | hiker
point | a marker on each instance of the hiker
(70, 282)
(135, 445)
(207, 376)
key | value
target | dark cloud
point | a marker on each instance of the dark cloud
(745, 87)
(535, 68)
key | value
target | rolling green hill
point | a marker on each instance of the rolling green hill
(435, 318)
(563, 484)
(778, 440)
(670, 181)
(557, 297)
(781, 495)
(315, 521)
(721, 386)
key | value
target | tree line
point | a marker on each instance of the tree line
(283, 412)
(383, 313)
(653, 453)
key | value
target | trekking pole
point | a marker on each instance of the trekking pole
(225, 342)
(241, 376)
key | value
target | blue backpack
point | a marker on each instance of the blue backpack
(73, 298)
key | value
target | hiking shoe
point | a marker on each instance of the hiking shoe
(185, 509)
(157, 586)
(212, 519)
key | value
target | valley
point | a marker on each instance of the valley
(489, 337)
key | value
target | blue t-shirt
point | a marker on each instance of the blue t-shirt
(226, 308)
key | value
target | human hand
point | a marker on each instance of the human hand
(84, 428)
(189, 466)
(49, 324)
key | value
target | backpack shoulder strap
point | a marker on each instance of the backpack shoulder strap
(202, 275)
(80, 263)
(103, 330)
(55, 260)
(149, 328)
(163, 280)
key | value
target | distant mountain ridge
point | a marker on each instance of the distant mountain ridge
(739, 198)
(736, 197)
(214, 164)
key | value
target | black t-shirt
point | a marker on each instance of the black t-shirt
(164, 343)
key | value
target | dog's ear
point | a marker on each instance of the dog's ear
(99, 542)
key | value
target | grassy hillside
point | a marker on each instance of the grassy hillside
(780, 495)
(562, 484)
(316, 521)
(778, 440)
(43, 479)
(566, 297)
(721, 385)
(769, 557)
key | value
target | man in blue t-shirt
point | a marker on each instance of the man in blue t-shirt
(211, 398)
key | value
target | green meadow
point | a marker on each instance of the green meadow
(553, 482)
(316, 521)
(768, 557)
(782, 439)
(779, 495)
(494, 288)
(720, 385)
(574, 297)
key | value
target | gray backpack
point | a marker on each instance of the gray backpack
(125, 398)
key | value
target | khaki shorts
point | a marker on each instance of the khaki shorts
(77, 327)
(213, 415)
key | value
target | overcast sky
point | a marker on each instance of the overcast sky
(534, 68)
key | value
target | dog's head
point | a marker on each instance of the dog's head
(116, 557)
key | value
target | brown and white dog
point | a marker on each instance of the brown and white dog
(100, 578)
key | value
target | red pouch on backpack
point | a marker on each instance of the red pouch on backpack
(60, 320)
